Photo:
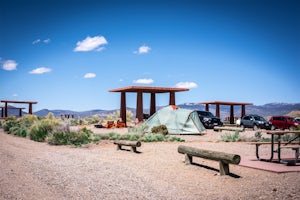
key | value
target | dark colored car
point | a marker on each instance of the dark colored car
(208, 119)
(284, 122)
(255, 122)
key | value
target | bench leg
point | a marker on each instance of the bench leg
(133, 149)
(119, 147)
(296, 154)
(224, 168)
(188, 159)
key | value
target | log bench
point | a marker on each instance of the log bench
(224, 158)
(224, 128)
(132, 144)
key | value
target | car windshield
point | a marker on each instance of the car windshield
(206, 114)
(259, 118)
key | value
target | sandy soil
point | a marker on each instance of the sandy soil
(32, 170)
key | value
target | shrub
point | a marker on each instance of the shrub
(9, 122)
(40, 129)
(150, 137)
(175, 139)
(227, 137)
(160, 129)
(72, 138)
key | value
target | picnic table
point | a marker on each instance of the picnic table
(276, 140)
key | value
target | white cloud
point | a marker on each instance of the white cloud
(91, 43)
(10, 65)
(142, 49)
(144, 81)
(186, 85)
(40, 70)
(36, 41)
(15, 95)
(89, 75)
(46, 41)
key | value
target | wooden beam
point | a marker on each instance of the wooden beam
(231, 114)
(139, 106)
(218, 110)
(172, 98)
(152, 104)
(123, 107)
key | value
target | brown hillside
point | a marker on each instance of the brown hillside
(294, 113)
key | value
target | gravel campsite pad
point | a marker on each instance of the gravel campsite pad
(33, 170)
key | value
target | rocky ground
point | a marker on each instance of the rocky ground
(32, 170)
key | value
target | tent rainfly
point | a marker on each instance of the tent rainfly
(177, 120)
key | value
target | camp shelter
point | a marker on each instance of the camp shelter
(177, 120)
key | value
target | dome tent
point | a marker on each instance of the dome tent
(177, 120)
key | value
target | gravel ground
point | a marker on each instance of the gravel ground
(32, 170)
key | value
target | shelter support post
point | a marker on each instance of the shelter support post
(123, 107)
(2, 112)
(139, 106)
(243, 111)
(172, 98)
(231, 114)
(30, 109)
(207, 107)
(5, 110)
(152, 104)
(218, 110)
(20, 112)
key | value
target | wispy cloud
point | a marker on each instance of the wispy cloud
(36, 41)
(144, 81)
(9, 65)
(186, 85)
(46, 41)
(142, 50)
(91, 43)
(15, 95)
(89, 75)
(40, 70)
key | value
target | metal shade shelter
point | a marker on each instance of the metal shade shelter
(139, 102)
(231, 104)
(17, 102)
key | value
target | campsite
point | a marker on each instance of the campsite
(33, 170)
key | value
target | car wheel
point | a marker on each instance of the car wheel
(242, 126)
(273, 127)
(291, 128)
(255, 127)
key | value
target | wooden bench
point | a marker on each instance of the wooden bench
(224, 158)
(132, 144)
(224, 128)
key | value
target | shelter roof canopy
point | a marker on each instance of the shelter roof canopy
(147, 89)
(225, 103)
(10, 101)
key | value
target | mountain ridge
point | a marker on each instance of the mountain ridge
(269, 109)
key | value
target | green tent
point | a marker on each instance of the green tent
(177, 120)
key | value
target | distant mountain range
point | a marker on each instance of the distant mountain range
(264, 110)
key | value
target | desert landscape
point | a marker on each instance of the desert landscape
(34, 170)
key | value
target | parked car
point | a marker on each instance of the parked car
(283, 122)
(208, 119)
(297, 119)
(255, 122)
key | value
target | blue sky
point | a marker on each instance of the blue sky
(67, 54)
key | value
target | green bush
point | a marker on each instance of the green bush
(72, 138)
(227, 137)
(9, 122)
(160, 129)
(40, 129)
